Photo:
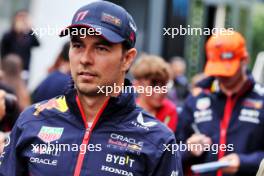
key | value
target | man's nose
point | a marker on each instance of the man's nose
(87, 58)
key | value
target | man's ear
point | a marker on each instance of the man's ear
(245, 60)
(244, 63)
(129, 58)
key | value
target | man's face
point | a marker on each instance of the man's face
(22, 22)
(95, 62)
(178, 68)
(230, 82)
(154, 99)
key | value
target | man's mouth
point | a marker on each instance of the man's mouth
(86, 75)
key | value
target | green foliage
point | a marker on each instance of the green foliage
(258, 30)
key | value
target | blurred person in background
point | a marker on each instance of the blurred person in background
(195, 89)
(20, 40)
(12, 68)
(9, 109)
(9, 112)
(57, 81)
(180, 89)
(196, 79)
(3, 135)
(230, 116)
(151, 70)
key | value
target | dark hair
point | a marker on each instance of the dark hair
(65, 51)
(125, 46)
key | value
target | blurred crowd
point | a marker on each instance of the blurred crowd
(16, 47)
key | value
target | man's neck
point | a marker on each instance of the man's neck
(93, 104)
(229, 91)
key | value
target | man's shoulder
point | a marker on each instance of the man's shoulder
(258, 89)
(43, 109)
(150, 128)
(55, 78)
(256, 97)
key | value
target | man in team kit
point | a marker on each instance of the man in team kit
(119, 137)
(230, 115)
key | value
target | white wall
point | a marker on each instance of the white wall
(55, 14)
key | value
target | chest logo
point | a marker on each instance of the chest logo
(55, 103)
(203, 103)
(140, 120)
(249, 115)
(49, 134)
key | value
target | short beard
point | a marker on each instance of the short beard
(87, 93)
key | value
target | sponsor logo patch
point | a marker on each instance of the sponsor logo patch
(44, 161)
(81, 15)
(133, 27)
(111, 19)
(55, 103)
(259, 89)
(227, 55)
(203, 116)
(124, 143)
(45, 150)
(251, 103)
(203, 103)
(174, 173)
(249, 115)
(120, 160)
(116, 171)
(141, 124)
(49, 134)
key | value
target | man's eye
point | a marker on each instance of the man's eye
(101, 48)
(76, 45)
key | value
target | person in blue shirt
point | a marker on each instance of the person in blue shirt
(57, 81)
